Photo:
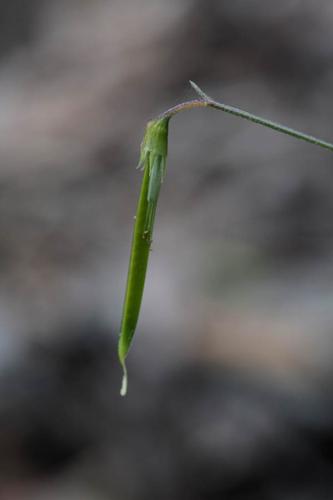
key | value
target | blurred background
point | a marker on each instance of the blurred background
(231, 369)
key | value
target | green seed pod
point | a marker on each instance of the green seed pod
(153, 156)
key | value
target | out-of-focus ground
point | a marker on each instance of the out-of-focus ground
(231, 369)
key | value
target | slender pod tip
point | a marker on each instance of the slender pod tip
(122, 351)
(124, 383)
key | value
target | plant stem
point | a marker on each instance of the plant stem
(196, 103)
(206, 101)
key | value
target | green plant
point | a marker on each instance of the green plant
(153, 157)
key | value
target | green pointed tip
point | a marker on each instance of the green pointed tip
(200, 92)
(155, 140)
